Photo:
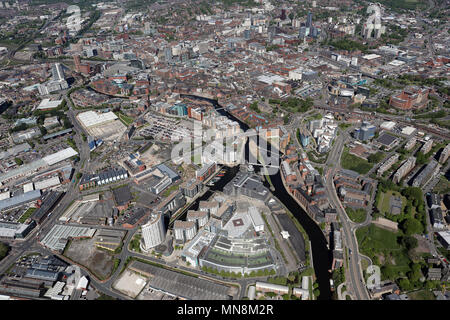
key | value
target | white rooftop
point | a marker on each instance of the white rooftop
(93, 118)
(60, 156)
(47, 104)
(371, 56)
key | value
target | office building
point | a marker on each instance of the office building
(309, 20)
(365, 132)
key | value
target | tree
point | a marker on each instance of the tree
(415, 274)
(409, 242)
(411, 226)
(421, 159)
(4, 248)
(254, 107)
(18, 161)
(43, 130)
(404, 284)
(316, 292)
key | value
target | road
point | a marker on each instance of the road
(354, 279)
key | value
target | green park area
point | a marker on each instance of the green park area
(352, 162)
(412, 216)
(421, 295)
(384, 205)
(26, 215)
(125, 119)
(356, 215)
(385, 249)
(394, 253)
(169, 190)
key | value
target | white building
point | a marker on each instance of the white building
(153, 232)
(257, 220)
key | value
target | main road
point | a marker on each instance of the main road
(355, 283)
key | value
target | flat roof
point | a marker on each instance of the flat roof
(20, 199)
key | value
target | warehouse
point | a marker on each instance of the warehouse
(13, 151)
(57, 134)
(48, 183)
(388, 125)
(46, 104)
(45, 275)
(60, 156)
(33, 167)
(58, 236)
(106, 126)
(20, 200)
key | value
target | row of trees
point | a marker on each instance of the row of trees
(238, 275)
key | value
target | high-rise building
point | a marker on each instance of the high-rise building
(365, 132)
(304, 139)
(57, 72)
(404, 169)
(444, 154)
(424, 176)
(184, 230)
(309, 20)
(427, 146)
(154, 231)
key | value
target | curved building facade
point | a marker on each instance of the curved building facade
(154, 231)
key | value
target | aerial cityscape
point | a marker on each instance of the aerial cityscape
(224, 150)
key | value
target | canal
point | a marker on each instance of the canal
(322, 256)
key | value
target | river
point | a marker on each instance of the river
(322, 256)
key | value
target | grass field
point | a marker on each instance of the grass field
(384, 203)
(421, 295)
(169, 190)
(382, 245)
(125, 119)
(356, 215)
(351, 162)
(26, 215)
